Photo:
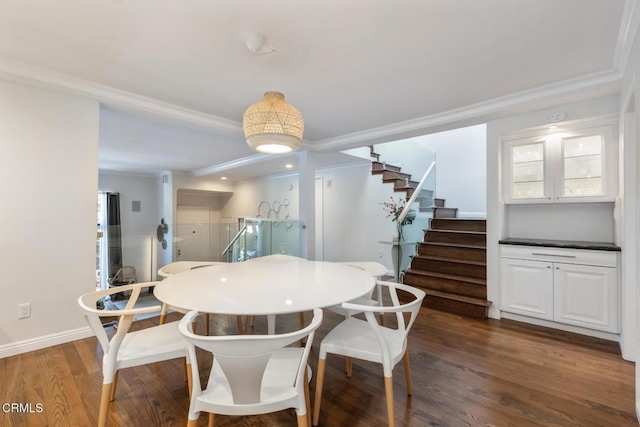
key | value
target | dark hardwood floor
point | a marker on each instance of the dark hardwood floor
(465, 372)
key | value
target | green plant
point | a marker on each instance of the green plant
(394, 209)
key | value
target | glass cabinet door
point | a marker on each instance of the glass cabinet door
(582, 165)
(527, 171)
(571, 165)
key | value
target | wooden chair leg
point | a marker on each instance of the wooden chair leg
(212, 419)
(349, 366)
(388, 389)
(114, 383)
(206, 324)
(192, 423)
(302, 421)
(163, 319)
(240, 327)
(319, 384)
(189, 373)
(407, 372)
(104, 404)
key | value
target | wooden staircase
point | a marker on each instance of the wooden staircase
(450, 266)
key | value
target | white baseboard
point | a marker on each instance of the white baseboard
(45, 341)
(494, 313)
(561, 326)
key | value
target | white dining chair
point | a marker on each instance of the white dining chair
(126, 349)
(251, 374)
(368, 340)
(376, 270)
(178, 267)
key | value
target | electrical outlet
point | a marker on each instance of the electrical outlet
(24, 310)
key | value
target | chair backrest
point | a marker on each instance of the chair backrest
(88, 304)
(182, 266)
(126, 273)
(411, 307)
(243, 358)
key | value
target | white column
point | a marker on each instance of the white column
(306, 197)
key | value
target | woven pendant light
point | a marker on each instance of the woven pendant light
(272, 125)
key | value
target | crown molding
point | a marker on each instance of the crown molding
(47, 79)
(474, 111)
(245, 161)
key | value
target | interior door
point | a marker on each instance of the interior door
(193, 237)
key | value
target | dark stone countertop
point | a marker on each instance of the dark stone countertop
(568, 244)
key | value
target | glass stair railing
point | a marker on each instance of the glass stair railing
(260, 237)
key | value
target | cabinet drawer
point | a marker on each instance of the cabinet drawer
(566, 256)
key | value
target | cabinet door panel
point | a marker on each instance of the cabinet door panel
(586, 296)
(527, 288)
(526, 171)
(586, 170)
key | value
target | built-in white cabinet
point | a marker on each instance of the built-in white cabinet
(585, 295)
(561, 166)
(571, 286)
(527, 287)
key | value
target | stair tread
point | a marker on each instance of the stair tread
(474, 280)
(463, 219)
(461, 298)
(398, 176)
(455, 245)
(456, 231)
(449, 259)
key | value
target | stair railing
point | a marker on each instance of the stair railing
(416, 193)
(261, 236)
(228, 250)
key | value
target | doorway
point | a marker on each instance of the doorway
(193, 233)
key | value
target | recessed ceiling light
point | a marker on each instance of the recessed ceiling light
(223, 177)
(288, 166)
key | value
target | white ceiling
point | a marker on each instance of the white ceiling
(174, 77)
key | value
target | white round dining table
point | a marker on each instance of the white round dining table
(270, 285)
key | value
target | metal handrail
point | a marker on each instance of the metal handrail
(416, 191)
(237, 236)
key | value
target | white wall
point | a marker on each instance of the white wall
(277, 190)
(354, 220)
(461, 168)
(49, 184)
(139, 242)
(591, 222)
